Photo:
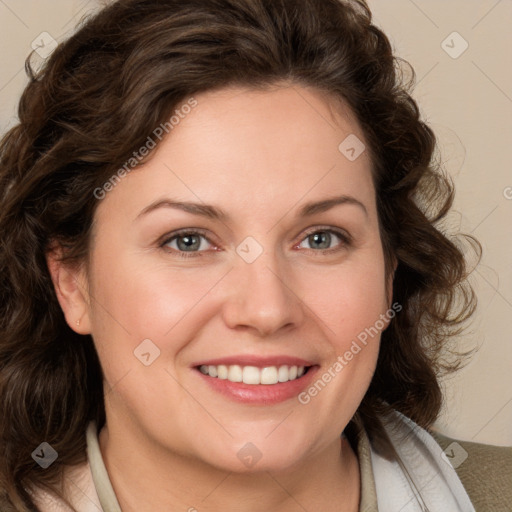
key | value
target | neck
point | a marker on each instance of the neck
(150, 478)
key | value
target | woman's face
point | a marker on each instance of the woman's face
(268, 280)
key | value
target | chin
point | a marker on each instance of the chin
(257, 455)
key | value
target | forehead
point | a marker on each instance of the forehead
(254, 150)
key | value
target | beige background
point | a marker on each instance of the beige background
(467, 98)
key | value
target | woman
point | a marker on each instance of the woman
(222, 284)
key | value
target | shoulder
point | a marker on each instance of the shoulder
(484, 470)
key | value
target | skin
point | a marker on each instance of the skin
(259, 156)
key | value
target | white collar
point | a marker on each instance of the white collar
(425, 469)
(106, 494)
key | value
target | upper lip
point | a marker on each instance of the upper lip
(258, 361)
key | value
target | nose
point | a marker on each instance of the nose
(262, 298)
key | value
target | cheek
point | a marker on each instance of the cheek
(134, 301)
(351, 304)
(137, 296)
(349, 301)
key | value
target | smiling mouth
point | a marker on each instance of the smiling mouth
(253, 375)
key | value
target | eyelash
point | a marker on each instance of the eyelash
(345, 238)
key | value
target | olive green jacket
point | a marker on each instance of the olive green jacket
(484, 470)
(486, 474)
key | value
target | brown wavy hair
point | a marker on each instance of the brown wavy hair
(96, 100)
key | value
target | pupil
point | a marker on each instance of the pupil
(322, 235)
(188, 242)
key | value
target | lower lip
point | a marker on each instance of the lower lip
(260, 394)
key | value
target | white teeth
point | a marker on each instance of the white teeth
(222, 371)
(235, 373)
(269, 375)
(252, 374)
(283, 373)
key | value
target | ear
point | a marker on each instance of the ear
(71, 288)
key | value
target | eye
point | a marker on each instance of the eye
(323, 239)
(193, 242)
(186, 243)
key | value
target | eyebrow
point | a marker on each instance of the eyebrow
(215, 213)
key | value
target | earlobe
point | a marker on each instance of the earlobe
(71, 290)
